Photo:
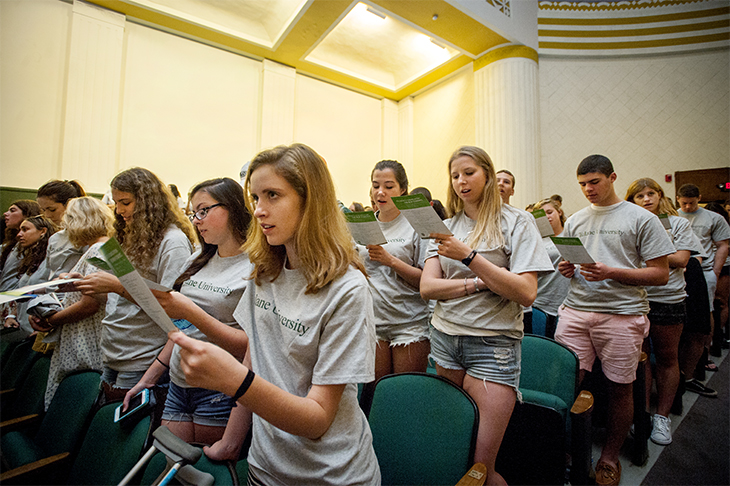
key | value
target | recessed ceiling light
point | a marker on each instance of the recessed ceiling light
(376, 13)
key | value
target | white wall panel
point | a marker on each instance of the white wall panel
(651, 116)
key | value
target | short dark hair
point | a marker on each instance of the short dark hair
(424, 191)
(400, 173)
(595, 163)
(505, 171)
(688, 190)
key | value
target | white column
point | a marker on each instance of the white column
(277, 105)
(91, 122)
(405, 134)
(389, 148)
(507, 122)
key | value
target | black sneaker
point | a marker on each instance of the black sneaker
(697, 387)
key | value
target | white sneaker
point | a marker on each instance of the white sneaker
(661, 432)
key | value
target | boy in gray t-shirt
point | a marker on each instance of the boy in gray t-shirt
(605, 311)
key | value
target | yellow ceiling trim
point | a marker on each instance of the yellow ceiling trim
(695, 14)
(595, 6)
(452, 25)
(671, 29)
(678, 41)
(505, 53)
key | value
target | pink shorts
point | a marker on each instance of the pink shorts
(615, 339)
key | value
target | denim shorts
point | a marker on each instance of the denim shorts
(197, 405)
(492, 358)
(403, 334)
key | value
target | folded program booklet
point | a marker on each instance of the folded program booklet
(572, 250)
(135, 284)
(365, 229)
(30, 291)
(543, 225)
(421, 215)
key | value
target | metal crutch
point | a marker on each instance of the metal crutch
(179, 456)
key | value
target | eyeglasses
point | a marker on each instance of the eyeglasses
(200, 214)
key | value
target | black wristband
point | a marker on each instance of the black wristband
(244, 386)
(467, 261)
(160, 361)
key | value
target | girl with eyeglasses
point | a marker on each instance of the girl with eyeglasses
(158, 239)
(33, 237)
(307, 322)
(214, 280)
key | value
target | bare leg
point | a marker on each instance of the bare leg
(411, 357)
(229, 447)
(666, 349)
(208, 434)
(495, 403)
(383, 360)
(690, 351)
(184, 430)
(620, 416)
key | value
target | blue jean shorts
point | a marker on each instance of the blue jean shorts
(197, 405)
(492, 358)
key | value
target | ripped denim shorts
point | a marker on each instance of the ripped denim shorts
(492, 358)
(197, 405)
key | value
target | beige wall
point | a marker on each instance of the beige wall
(189, 111)
(344, 128)
(443, 120)
(651, 116)
(34, 43)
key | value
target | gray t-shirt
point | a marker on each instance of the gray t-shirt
(216, 288)
(394, 300)
(552, 287)
(130, 340)
(709, 227)
(61, 255)
(623, 236)
(9, 277)
(684, 239)
(486, 313)
(298, 340)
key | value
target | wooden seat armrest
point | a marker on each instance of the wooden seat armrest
(582, 404)
(581, 444)
(19, 422)
(476, 476)
(33, 466)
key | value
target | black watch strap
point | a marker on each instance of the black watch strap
(467, 261)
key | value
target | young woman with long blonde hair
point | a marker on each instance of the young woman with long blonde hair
(481, 277)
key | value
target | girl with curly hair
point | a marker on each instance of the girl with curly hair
(158, 240)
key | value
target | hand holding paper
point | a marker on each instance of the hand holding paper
(572, 250)
(365, 229)
(421, 215)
